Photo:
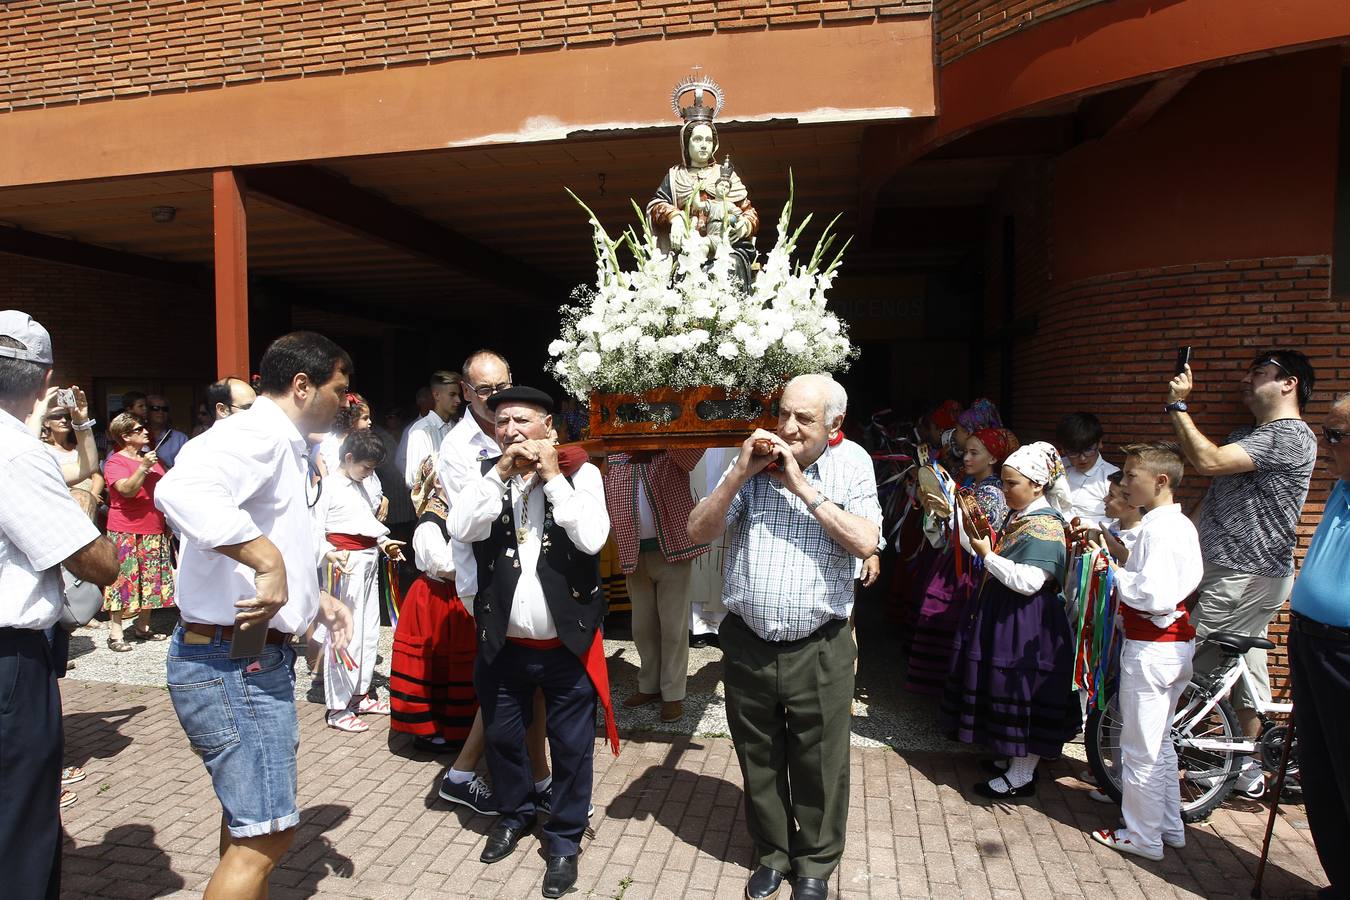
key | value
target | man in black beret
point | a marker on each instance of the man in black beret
(537, 523)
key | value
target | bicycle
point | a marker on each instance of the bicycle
(1209, 742)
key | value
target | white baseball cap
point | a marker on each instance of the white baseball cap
(37, 343)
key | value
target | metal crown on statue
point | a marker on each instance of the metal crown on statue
(696, 111)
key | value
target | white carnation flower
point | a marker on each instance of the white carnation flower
(728, 350)
(830, 324)
(588, 362)
(794, 342)
(559, 347)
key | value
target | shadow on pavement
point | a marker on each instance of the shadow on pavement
(313, 856)
(96, 735)
(139, 865)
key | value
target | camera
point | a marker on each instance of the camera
(65, 397)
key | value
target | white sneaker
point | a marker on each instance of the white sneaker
(1119, 839)
(1176, 842)
(1100, 796)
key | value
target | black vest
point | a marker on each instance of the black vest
(570, 579)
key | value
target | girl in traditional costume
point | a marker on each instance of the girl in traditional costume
(950, 586)
(431, 691)
(1011, 682)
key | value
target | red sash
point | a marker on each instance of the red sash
(351, 541)
(597, 669)
(1138, 626)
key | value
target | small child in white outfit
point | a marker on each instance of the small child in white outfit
(1162, 570)
(347, 513)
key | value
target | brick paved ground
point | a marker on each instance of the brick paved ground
(668, 823)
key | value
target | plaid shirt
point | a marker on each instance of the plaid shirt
(784, 576)
(666, 479)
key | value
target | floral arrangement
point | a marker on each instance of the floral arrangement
(684, 319)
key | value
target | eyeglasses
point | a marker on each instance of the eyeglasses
(245, 406)
(487, 390)
(1333, 435)
(159, 409)
(137, 429)
(1084, 454)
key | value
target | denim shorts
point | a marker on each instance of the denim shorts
(239, 716)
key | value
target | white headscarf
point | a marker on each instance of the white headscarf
(1041, 464)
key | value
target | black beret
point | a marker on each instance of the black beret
(521, 394)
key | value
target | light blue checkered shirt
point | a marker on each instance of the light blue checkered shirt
(783, 575)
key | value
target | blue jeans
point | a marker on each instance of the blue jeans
(239, 716)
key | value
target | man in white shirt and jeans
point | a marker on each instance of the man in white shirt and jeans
(238, 498)
(41, 529)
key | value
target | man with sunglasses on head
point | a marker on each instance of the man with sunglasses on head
(1248, 519)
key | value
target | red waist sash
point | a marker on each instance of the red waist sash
(597, 669)
(351, 541)
(1138, 627)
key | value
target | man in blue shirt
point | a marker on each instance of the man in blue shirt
(1319, 664)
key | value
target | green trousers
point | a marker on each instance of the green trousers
(789, 709)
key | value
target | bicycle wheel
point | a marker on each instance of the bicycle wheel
(1101, 737)
(1207, 763)
(1206, 773)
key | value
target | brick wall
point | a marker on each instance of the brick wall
(965, 25)
(74, 52)
(113, 326)
(1107, 344)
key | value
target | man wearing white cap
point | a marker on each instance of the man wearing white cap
(41, 529)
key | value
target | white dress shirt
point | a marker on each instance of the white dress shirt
(344, 508)
(435, 557)
(1087, 490)
(40, 528)
(462, 454)
(579, 508)
(1164, 567)
(425, 437)
(243, 477)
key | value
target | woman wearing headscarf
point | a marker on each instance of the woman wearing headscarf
(949, 588)
(1011, 680)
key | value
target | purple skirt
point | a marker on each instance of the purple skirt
(942, 610)
(1011, 681)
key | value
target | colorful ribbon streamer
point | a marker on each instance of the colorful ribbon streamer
(1092, 585)
(392, 601)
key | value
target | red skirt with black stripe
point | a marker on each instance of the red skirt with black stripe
(431, 678)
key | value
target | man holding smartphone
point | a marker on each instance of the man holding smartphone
(1248, 519)
(247, 584)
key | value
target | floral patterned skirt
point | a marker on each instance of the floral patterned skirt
(144, 573)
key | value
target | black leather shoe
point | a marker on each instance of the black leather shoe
(764, 884)
(560, 875)
(810, 889)
(1005, 790)
(502, 840)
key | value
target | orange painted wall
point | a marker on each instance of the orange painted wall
(1241, 164)
(870, 71)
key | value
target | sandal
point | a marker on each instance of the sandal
(347, 721)
(1117, 841)
(373, 707)
(118, 646)
(149, 634)
(1006, 791)
(68, 797)
(72, 774)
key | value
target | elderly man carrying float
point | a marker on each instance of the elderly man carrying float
(536, 520)
(789, 656)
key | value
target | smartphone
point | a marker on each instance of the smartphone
(248, 641)
(65, 397)
(1183, 359)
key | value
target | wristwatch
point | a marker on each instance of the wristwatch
(817, 503)
(1178, 406)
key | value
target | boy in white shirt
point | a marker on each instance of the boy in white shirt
(1163, 569)
(346, 511)
(1079, 437)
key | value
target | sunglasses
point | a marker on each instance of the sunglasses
(1333, 435)
(59, 417)
(138, 429)
(159, 409)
